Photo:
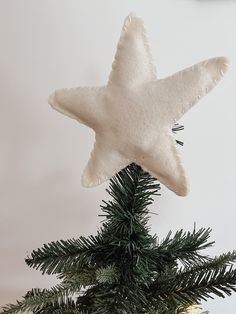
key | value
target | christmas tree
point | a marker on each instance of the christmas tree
(125, 269)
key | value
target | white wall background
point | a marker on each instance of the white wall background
(46, 45)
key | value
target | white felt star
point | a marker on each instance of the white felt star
(134, 113)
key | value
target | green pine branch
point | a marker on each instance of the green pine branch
(37, 300)
(60, 256)
(190, 288)
(185, 246)
(109, 274)
(132, 191)
(176, 128)
(114, 298)
(85, 276)
(226, 259)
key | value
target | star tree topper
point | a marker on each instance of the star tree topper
(134, 113)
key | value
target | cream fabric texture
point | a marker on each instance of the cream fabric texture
(133, 115)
